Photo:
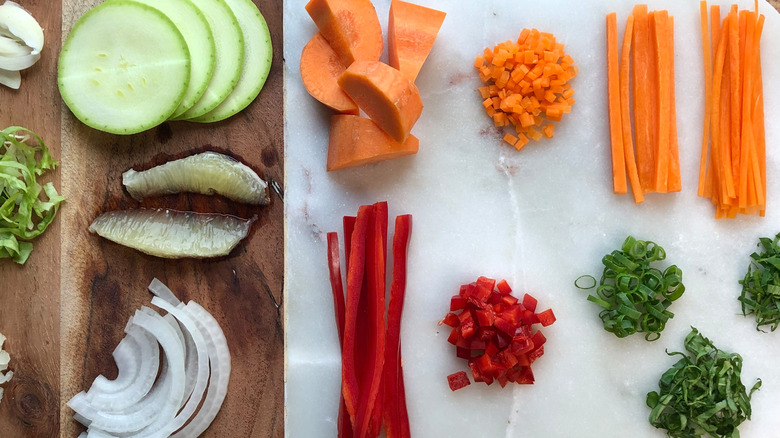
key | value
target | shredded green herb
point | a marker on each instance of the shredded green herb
(23, 213)
(634, 295)
(761, 286)
(702, 393)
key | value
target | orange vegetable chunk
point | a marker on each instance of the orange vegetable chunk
(411, 32)
(356, 140)
(385, 94)
(351, 27)
(320, 71)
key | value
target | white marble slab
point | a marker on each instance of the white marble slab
(538, 218)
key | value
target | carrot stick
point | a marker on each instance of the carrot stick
(735, 81)
(759, 139)
(720, 57)
(628, 142)
(664, 107)
(642, 99)
(747, 88)
(674, 181)
(615, 124)
(653, 99)
(707, 52)
(725, 129)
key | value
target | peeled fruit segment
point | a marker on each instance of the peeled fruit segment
(173, 234)
(207, 173)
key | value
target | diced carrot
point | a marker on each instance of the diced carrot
(615, 124)
(549, 130)
(511, 139)
(355, 141)
(320, 70)
(411, 32)
(351, 27)
(385, 94)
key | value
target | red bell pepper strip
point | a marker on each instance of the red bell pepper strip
(349, 227)
(395, 413)
(355, 273)
(344, 425)
(371, 323)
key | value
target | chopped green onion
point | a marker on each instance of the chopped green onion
(23, 214)
(702, 393)
(761, 286)
(635, 295)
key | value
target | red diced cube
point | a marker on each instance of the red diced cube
(507, 358)
(504, 325)
(536, 353)
(477, 344)
(454, 336)
(467, 328)
(486, 366)
(503, 340)
(546, 318)
(475, 373)
(502, 380)
(488, 283)
(463, 353)
(508, 300)
(482, 293)
(526, 376)
(522, 360)
(495, 298)
(538, 339)
(503, 287)
(521, 344)
(457, 302)
(529, 318)
(451, 320)
(529, 302)
(491, 350)
(485, 317)
(458, 380)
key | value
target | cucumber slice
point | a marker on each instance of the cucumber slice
(258, 54)
(230, 56)
(196, 32)
(124, 68)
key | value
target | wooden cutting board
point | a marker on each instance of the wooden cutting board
(65, 310)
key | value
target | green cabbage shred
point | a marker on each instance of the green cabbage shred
(24, 213)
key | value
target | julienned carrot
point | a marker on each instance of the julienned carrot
(615, 124)
(351, 27)
(411, 32)
(390, 99)
(706, 50)
(662, 151)
(320, 70)
(625, 112)
(675, 179)
(355, 141)
(736, 173)
(642, 102)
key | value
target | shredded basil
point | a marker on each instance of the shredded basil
(23, 213)
(702, 393)
(761, 286)
(635, 297)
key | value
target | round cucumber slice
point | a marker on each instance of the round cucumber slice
(196, 32)
(124, 68)
(230, 56)
(258, 54)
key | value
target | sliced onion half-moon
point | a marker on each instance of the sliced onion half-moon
(193, 370)
(207, 173)
(173, 234)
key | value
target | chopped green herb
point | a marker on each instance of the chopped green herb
(761, 285)
(702, 393)
(635, 296)
(23, 214)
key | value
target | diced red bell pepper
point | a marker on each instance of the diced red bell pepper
(503, 287)
(508, 300)
(486, 317)
(529, 318)
(463, 353)
(521, 344)
(475, 373)
(538, 339)
(529, 302)
(546, 318)
(487, 283)
(482, 293)
(504, 325)
(457, 302)
(491, 350)
(451, 320)
(494, 299)
(486, 365)
(526, 376)
(458, 380)
(536, 353)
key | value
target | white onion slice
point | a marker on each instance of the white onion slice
(194, 372)
(5, 359)
(15, 20)
(11, 79)
(12, 47)
(21, 62)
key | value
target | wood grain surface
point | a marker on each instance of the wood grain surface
(29, 294)
(65, 310)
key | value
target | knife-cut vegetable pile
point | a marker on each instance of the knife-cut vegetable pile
(655, 165)
(23, 214)
(156, 394)
(176, 234)
(635, 296)
(372, 387)
(493, 331)
(761, 286)
(702, 393)
(340, 67)
(733, 155)
(5, 359)
(165, 59)
(21, 42)
(527, 84)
